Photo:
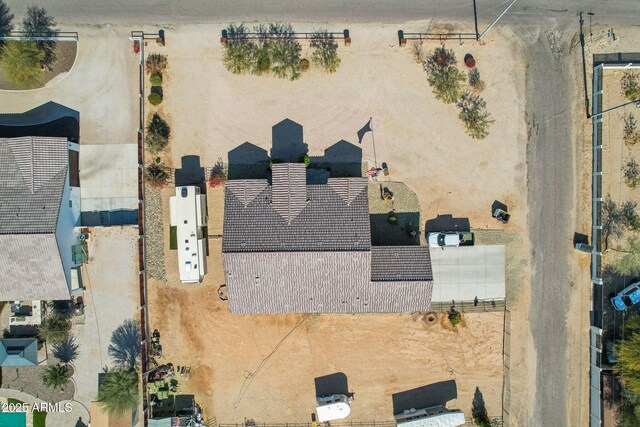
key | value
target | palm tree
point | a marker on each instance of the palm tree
(6, 26)
(118, 392)
(66, 350)
(38, 22)
(56, 376)
(54, 328)
(125, 345)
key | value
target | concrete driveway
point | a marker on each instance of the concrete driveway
(110, 298)
(102, 86)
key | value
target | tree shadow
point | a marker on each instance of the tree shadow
(424, 397)
(124, 348)
(66, 350)
(332, 384)
(478, 408)
(447, 223)
(287, 141)
(191, 173)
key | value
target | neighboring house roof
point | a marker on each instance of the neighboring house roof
(18, 352)
(33, 172)
(31, 268)
(290, 247)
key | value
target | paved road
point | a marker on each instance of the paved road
(550, 92)
(192, 11)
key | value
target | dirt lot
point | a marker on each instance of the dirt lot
(242, 363)
(263, 367)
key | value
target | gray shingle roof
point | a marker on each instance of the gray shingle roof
(297, 248)
(33, 171)
(326, 222)
(31, 268)
(18, 352)
(400, 263)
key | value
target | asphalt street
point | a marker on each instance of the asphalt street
(551, 92)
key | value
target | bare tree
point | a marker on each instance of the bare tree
(631, 172)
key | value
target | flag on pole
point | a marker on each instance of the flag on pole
(366, 128)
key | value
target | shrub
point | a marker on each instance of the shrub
(474, 80)
(630, 136)
(631, 173)
(304, 64)
(218, 175)
(155, 79)
(417, 52)
(325, 52)
(158, 132)
(156, 174)
(239, 52)
(156, 63)
(392, 219)
(447, 84)
(274, 162)
(284, 53)
(474, 115)
(440, 59)
(22, 61)
(454, 317)
(262, 63)
(305, 159)
(154, 98)
(630, 87)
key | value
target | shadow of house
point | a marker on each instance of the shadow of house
(447, 223)
(191, 173)
(404, 232)
(287, 141)
(424, 397)
(49, 119)
(248, 161)
(342, 159)
(332, 384)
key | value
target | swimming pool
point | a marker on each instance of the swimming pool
(13, 419)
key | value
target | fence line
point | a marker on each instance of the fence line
(262, 37)
(469, 306)
(42, 36)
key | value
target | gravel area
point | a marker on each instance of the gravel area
(28, 379)
(154, 231)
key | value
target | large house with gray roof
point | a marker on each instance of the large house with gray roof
(39, 210)
(293, 247)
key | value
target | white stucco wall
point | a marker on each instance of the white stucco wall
(67, 234)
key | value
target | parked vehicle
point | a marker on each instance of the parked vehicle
(627, 297)
(448, 238)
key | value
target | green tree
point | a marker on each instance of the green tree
(6, 21)
(475, 81)
(631, 171)
(613, 219)
(22, 63)
(118, 392)
(629, 264)
(56, 376)
(158, 132)
(474, 115)
(325, 52)
(37, 22)
(54, 328)
(284, 51)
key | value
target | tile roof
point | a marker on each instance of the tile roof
(400, 263)
(31, 268)
(18, 352)
(291, 247)
(316, 282)
(326, 222)
(33, 171)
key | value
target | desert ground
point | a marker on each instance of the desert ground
(242, 364)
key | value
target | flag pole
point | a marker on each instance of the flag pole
(374, 142)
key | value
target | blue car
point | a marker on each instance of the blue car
(627, 297)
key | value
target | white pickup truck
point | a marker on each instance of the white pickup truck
(449, 238)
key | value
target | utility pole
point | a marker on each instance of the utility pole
(475, 18)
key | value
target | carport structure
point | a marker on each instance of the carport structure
(462, 274)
